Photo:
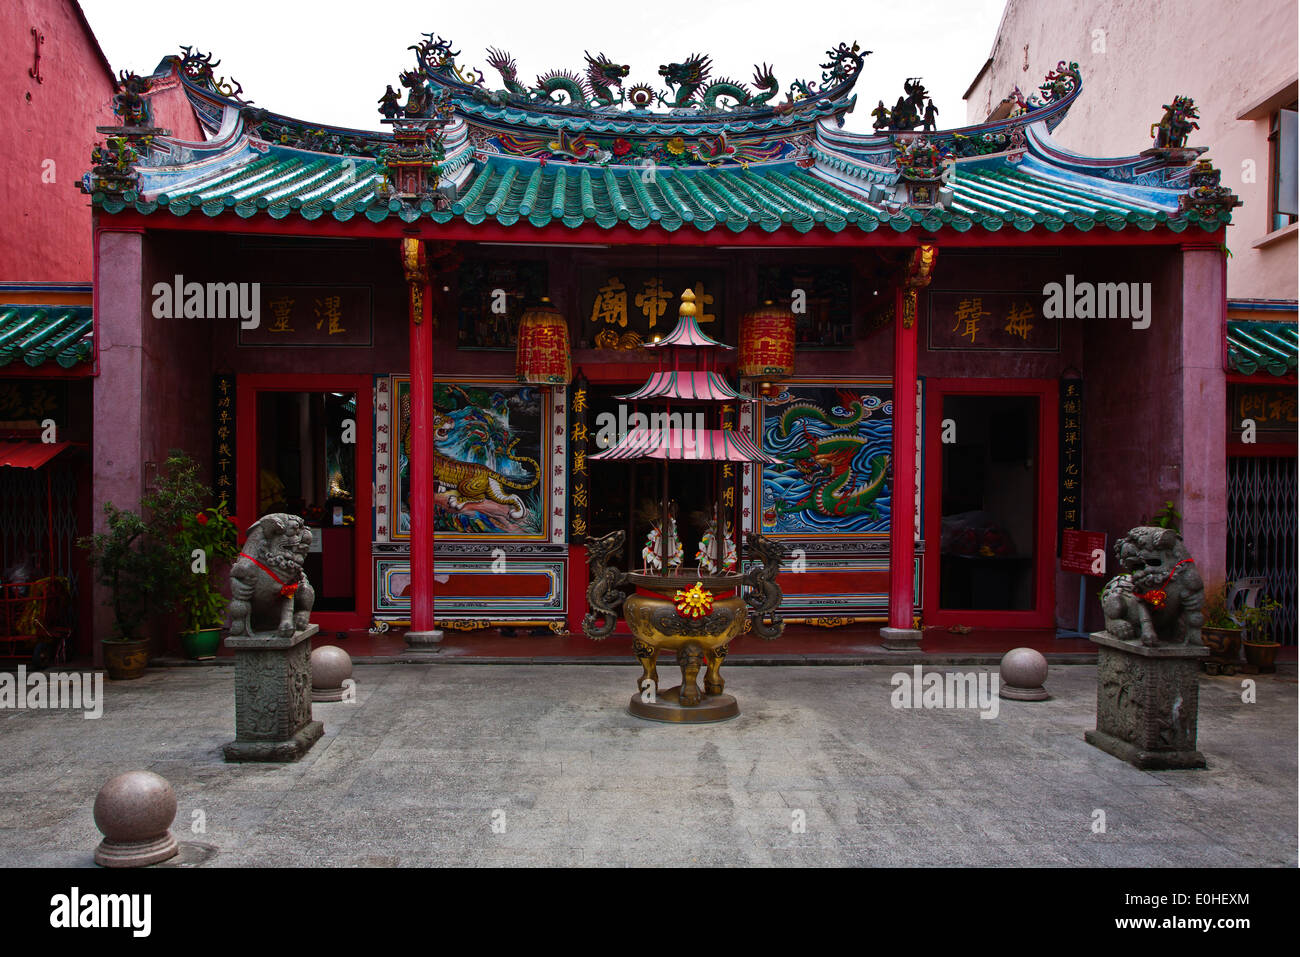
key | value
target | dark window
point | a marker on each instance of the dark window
(1282, 168)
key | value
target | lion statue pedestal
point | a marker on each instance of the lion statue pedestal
(270, 633)
(1148, 674)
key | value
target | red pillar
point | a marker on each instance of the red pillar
(420, 304)
(900, 635)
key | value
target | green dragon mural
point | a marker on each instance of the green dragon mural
(835, 445)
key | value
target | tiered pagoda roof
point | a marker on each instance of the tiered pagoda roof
(687, 444)
(686, 386)
(708, 154)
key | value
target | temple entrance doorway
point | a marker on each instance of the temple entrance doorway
(991, 465)
(628, 495)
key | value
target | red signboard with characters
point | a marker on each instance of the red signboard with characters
(981, 320)
(1077, 551)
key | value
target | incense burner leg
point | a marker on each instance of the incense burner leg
(648, 655)
(713, 683)
(689, 657)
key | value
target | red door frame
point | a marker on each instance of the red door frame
(1043, 615)
(247, 388)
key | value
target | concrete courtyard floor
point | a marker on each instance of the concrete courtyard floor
(419, 769)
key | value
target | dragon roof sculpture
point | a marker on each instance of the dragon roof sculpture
(693, 94)
(599, 145)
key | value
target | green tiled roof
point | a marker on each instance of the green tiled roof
(285, 182)
(1262, 347)
(38, 334)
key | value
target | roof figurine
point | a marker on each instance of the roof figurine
(1176, 125)
(915, 108)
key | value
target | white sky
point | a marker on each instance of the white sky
(329, 62)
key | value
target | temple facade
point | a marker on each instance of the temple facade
(1004, 352)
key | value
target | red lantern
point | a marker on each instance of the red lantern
(543, 352)
(766, 343)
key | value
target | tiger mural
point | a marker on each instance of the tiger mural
(467, 483)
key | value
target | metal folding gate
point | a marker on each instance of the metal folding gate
(23, 526)
(1262, 531)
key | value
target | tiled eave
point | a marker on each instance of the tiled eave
(41, 337)
(1262, 347)
(991, 194)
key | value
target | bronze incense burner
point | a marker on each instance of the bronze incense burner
(692, 614)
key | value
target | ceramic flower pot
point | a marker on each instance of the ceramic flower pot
(1224, 643)
(1262, 654)
(124, 660)
(201, 645)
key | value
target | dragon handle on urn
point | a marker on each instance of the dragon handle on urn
(763, 594)
(604, 597)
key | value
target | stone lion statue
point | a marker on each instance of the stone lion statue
(269, 590)
(1157, 596)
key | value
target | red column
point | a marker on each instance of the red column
(901, 527)
(420, 299)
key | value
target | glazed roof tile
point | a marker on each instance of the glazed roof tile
(989, 195)
(36, 335)
(1269, 347)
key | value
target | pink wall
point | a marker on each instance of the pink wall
(118, 448)
(1134, 57)
(46, 224)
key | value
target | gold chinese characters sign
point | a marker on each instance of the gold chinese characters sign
(991, 321)
(223, 438)
(1070, 472)
(579, 477)
(624, 309)
(310, 315)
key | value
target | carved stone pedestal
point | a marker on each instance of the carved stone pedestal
(900, 639)
(1147, 700)
(273, 720)
(424, 640)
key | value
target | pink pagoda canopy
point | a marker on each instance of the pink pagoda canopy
(687, 331)
(709, 386)
(686, 445)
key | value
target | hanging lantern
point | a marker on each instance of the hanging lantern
(766, 345)
(543, 352)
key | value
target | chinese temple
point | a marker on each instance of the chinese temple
(418, 338)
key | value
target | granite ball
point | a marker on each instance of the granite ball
(1022, 673)
(330, 667)
(135, 811)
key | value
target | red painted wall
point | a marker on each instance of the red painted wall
(45, 226)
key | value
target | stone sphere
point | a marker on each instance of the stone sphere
(1022, 674)
(330, 667)
(135, 807)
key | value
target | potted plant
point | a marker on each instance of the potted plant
(135, 571)
(209, 538)
(140, 560)
(1260, 651)
(1220, 632)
